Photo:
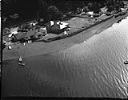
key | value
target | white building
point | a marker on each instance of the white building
(56, 26)
(104, 10)
(90, 13)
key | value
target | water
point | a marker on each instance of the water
(93, 68)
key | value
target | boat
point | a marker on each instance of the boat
(126, 62)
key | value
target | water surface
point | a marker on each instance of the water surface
(91, 68)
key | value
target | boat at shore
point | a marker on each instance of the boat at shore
(40, 47)
(126, 62)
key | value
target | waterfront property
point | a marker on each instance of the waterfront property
(67, 56)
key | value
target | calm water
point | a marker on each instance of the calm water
(93, 68)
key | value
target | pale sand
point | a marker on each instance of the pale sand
(41, 48)
(21, 81)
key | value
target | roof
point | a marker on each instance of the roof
(63, 25)
(13, 31)
(56, 26)
(90, 13)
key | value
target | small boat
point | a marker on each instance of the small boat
(126, 62)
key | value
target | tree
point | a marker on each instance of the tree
(54, 13)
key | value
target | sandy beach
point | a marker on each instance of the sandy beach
(41, 48)
(21, 81)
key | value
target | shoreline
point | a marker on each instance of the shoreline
(47, 75)
(76, 32)
(42, 48)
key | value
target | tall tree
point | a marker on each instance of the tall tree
(54, 13)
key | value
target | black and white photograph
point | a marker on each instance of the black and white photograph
(64, 48)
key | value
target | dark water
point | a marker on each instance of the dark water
(94, 68)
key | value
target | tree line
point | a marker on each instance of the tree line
(44, 8)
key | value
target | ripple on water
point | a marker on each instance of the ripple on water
(93, 68)
(96, 67)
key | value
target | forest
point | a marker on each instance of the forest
(56, 8)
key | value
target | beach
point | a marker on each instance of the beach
(40, 48)
(69, 67)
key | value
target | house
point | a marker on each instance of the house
(56, 27)
(90, 13)
(13, 31)
(123, 9)
(104, 10)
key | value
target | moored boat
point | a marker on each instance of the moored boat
(126, 62)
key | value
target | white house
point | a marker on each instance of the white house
(104, 10)
(13, 31)
(56, 26)
(90, 13)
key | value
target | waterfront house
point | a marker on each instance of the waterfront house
(104, 10)
(90, 13)
(56, 27)
(13, 31)
(123, 9)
